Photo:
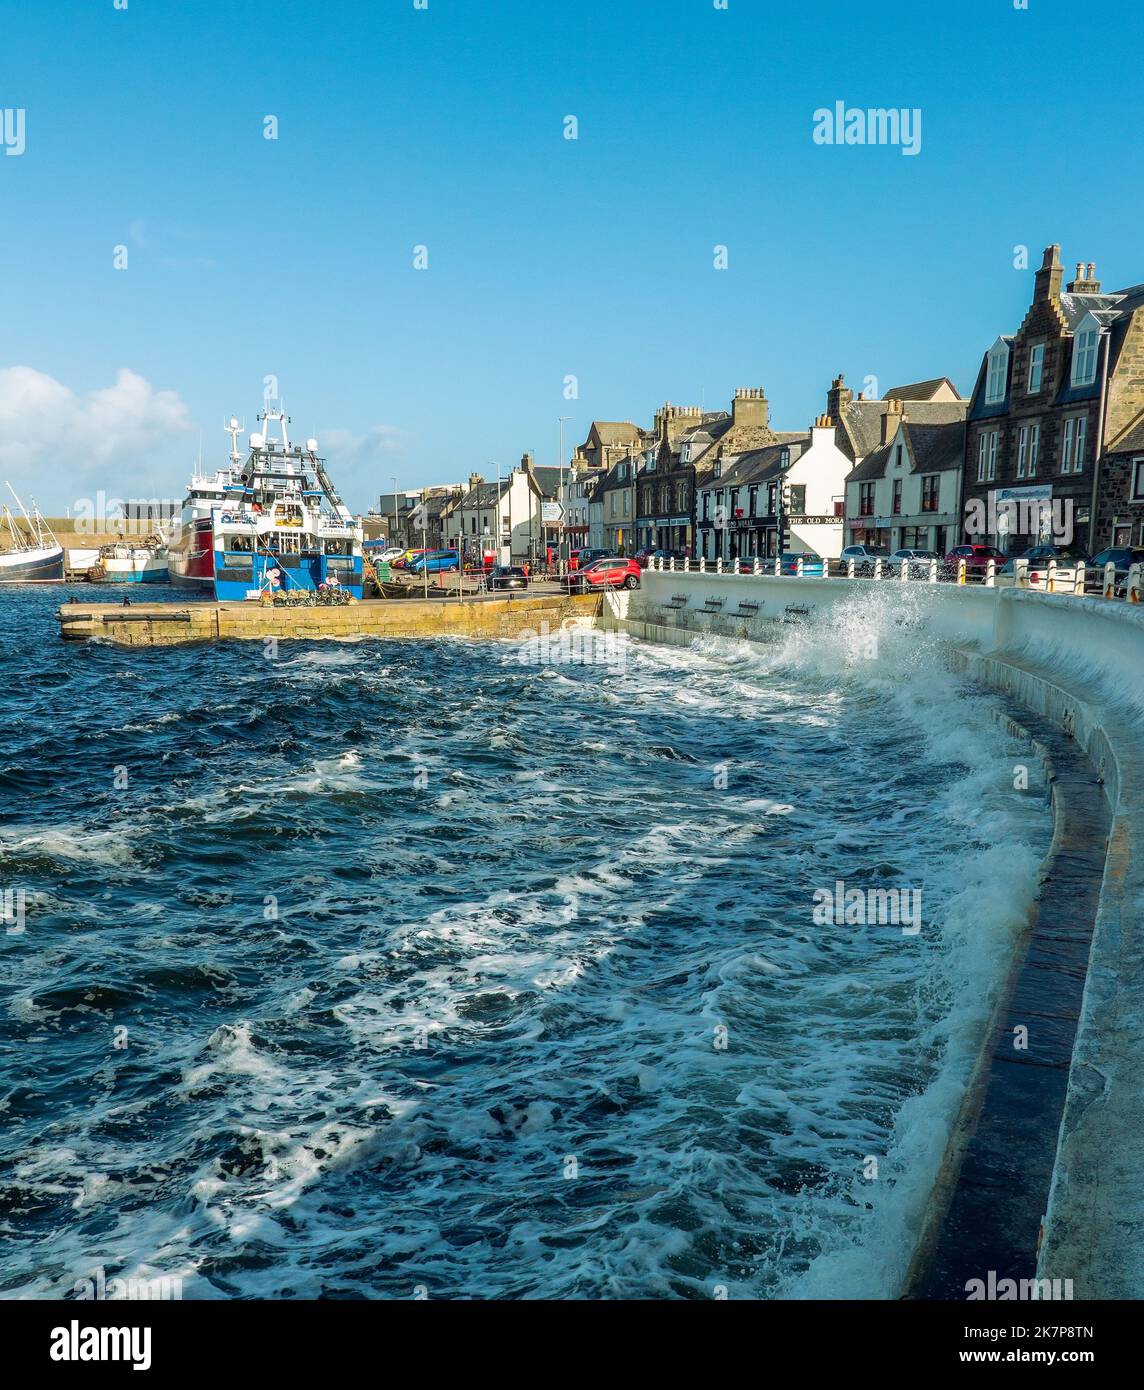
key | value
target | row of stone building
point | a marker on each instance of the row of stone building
(1050, 442)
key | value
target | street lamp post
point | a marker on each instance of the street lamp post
(563, 492)
(393, 479)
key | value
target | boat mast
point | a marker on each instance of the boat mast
(36, 527)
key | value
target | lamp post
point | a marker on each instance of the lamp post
(393, 479)
(563, 496)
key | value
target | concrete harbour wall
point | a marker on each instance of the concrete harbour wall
(1078, 662)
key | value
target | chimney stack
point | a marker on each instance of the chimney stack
(1047, 281)
(1086, 281)
(891, 420)
(749, 407)
(475, 480)
(839, 396)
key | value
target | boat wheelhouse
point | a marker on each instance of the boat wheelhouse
(272, 523)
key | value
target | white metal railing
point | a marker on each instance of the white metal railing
(1052, 577)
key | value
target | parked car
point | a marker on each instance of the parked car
(916, 561)
(1067, 558)
(507, 577)
(661, 557)
(976, 559)
(812, 565)
(582, 558)
(863, 557)
(1123, 557)
(613, 573)
(433, 562)
(403, 561)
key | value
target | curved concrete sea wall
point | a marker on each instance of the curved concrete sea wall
(1078, 662)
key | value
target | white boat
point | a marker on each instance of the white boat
(33, 553)
(130, 564)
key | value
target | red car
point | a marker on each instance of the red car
(582, 558)
(605, 574)
(976, 558)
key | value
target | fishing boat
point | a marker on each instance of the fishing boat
(270, 523)
(130, 564)
(32, 554)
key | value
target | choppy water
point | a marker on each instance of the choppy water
(425, 960)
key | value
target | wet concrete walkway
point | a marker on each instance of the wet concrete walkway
(1008, 1129)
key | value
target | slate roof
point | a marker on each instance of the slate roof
(755, 465)
(933, 449)
(921, 390)
(485, 494)
(614, 431)
(548, 479)
(1133, 441)
(862, 420)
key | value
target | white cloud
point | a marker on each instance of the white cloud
(50, 435)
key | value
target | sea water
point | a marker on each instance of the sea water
(430, 969)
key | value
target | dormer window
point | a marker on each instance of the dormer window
(1084, 354)
(1036, 367)
(997, 373)
(718, 468)
(784, 459)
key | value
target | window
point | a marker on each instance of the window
(1028, 442)
(1072, 450)
(997, 372)
(1036, 367)
(706, 506)
(752, 501)
(718, 468)
(930, 485)
(1138, 480)
(1084, 358)
(865, 499)
(798, 500)
(898, 495)
(898, 455)
(734, 501)
(772, 489)
(987, 456)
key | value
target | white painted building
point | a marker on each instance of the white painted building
(503, 516)
(815, 488)
(907, 492)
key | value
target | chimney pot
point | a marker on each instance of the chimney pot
(1091, 270)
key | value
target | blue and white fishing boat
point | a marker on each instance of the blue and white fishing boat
(271, 524)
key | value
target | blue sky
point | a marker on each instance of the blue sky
(547, 257)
